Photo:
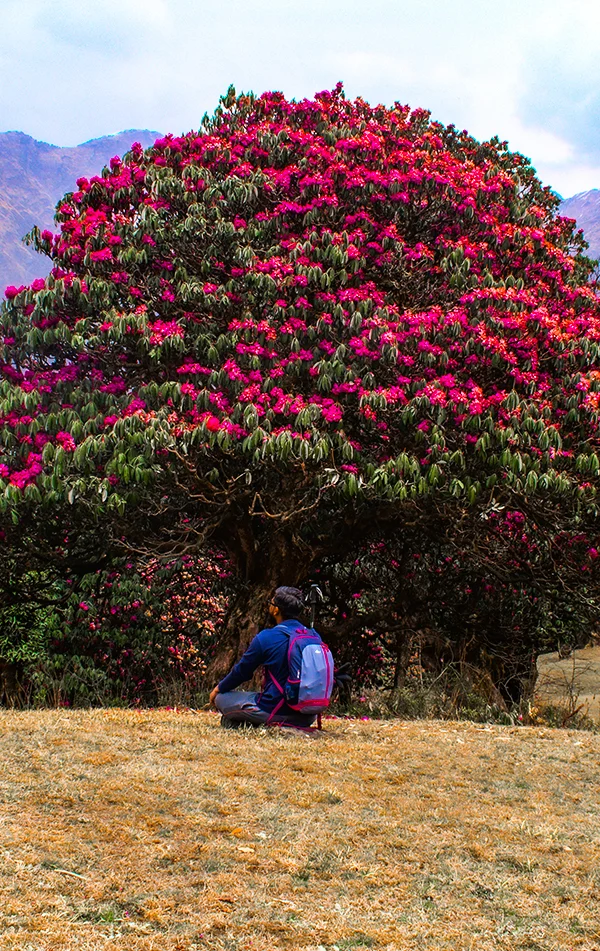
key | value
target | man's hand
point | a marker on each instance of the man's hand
(213, 694)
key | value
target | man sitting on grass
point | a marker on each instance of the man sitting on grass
(270, 649)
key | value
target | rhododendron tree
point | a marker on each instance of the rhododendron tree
(307, 325)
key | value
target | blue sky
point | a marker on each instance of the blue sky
(526, 70)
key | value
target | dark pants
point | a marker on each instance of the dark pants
(238, 706)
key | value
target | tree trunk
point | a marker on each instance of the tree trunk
(403, 644)
(249, 612)
(245, 618)
(10, 687)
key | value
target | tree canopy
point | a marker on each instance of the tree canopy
(308, 327)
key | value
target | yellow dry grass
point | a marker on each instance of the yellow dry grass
(157, 831)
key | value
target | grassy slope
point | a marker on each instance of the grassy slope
(572, 682)
(384, 835)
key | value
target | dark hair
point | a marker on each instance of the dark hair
(290, 601)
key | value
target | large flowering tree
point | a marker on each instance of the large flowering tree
(306, 326)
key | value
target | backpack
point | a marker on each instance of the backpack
(310, 678)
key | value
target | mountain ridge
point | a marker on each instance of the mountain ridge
(585, 208)
(34, 175)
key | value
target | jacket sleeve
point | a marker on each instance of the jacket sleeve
(245, 666)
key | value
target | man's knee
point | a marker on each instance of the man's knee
(254, 717)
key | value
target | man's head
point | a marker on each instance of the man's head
(286, 603)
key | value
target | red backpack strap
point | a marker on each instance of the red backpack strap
(274, 710)
(276, 682)
(268, 673)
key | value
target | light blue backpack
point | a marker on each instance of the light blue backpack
(311, 671)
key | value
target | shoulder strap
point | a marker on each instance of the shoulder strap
(284, 630)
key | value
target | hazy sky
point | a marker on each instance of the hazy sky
(526, 70)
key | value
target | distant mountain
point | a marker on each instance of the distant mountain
(585, 208)
(33, 177)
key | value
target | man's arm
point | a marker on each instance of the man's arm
(243, 670)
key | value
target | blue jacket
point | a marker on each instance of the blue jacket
(269, 648)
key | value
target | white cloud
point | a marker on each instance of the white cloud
(85, 23)
(78, 68)
(572, 179)
(75, 69)
(556, 152)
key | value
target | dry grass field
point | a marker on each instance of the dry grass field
(157, 831)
